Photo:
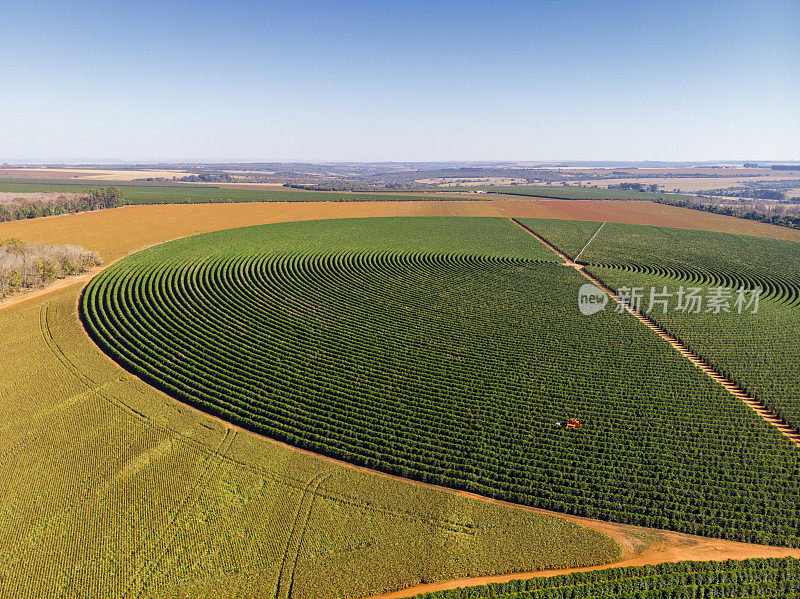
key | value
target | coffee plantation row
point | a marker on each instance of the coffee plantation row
(748, 578)
(457, 369)
(164, 502)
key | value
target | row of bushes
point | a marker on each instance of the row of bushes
(753, 578)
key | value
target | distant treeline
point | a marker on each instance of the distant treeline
(207, 178)
(199, 194)
(571, 192)
(358, 186)
(94, 199)
(784, 220)
(32, 265)
(198, 178)
(635, 187)
(786, 167)
(756, 194)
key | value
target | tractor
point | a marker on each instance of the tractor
(573, 423)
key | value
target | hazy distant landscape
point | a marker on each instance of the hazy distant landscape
(769, 192)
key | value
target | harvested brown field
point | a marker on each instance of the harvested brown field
(87, 174)
(145, 225)
(199, 478)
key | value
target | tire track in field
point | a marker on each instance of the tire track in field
(91, 384)
(71, 502)
(727, 384)
(590, 240)
(285, 582)
(141, 577)
(670, 546)
(280, 477)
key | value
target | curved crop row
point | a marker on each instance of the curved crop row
(453, 369)
(782, 290)
(757, 351)
(754, 578)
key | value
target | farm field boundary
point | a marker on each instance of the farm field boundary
(145, 225)
(750, 348)
(169, 315)
(732, 388)
(640, 545)
(590, 240)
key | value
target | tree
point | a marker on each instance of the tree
(113, 197)
(15, 283)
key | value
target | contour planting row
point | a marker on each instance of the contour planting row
(694, 257)
(759, 352)
(776, 288)
(748, 578)
(453, 369)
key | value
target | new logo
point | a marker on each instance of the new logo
(591, 299)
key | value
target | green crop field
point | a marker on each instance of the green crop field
(569, 236)
(575, 193)
(165, 193)
(722, 580)
(446, 350)
(759, 352)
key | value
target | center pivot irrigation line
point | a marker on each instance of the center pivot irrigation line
(590, 241)
(731, 387)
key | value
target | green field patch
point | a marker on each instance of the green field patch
(456, 367)
(568, 236)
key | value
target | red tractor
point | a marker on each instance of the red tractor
(573, 423)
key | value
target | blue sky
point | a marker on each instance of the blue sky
(410, 80)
